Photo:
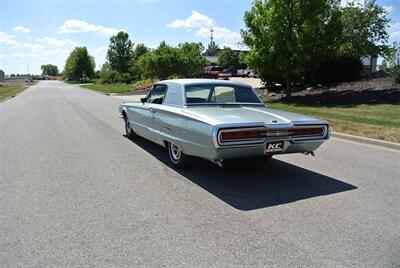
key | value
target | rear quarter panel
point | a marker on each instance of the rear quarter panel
(192, 135)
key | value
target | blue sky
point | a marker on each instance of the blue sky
(41, 32)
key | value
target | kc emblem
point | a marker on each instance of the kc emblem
(274, 147)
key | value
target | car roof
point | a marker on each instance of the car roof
(197, 81)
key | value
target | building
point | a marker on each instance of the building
(2, 76)
(369, 65)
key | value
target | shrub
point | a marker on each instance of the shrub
(395, 73)
(337, 69)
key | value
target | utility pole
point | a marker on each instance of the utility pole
(28, 69)
(211, 35)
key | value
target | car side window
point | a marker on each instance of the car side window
(157, 95)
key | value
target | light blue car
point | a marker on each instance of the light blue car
(217, 120)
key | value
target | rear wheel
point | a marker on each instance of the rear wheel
(177, 157)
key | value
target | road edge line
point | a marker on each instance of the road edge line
(386, 144)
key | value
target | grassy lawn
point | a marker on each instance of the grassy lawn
(79, 82)
(380, 121)
(113, 88)
(7, 91)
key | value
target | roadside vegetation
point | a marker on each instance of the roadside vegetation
(378, 121)
(110, 88)
(8, 91)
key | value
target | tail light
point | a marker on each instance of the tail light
(246, 134)
(236, 135)
(306, 131)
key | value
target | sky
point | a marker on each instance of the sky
(45, 31)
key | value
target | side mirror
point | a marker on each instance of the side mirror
(143, 100)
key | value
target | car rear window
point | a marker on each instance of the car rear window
(212, 93)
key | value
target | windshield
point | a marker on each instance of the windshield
(217, 94)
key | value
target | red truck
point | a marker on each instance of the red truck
(215, 72)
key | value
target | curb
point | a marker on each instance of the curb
(386, 144)
(133, 93)
(109, 94)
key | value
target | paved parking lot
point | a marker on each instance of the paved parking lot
(75, 192)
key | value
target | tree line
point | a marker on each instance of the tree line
(315, 41)
(127, 62)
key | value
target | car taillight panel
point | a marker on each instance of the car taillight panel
(232, 135)
(242, 135)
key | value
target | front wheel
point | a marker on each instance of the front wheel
(128, 128)
(177, 157)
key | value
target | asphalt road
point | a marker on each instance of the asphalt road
(75, 192)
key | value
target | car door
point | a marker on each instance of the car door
(155, 101)
(141, 117)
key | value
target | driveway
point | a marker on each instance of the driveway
(75, 192)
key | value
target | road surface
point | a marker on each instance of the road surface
(75, 192)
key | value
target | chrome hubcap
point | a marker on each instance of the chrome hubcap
(128, 126)
(175, 152)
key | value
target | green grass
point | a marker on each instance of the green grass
(118, 88)
(8, 91)
(113, 88)
(378, 121)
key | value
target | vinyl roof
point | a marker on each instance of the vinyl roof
(190, 81)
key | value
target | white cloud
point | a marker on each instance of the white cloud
(6, 39)
(58, 42)
(21, 29)
(221, 33)
(18, 55)
(33, 47)
(388, 8)
(203, 24)
(76, 26)
(99, 55)
(196, 19)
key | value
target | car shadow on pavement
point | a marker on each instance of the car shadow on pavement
(250, 184)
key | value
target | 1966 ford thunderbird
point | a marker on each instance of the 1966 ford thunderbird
(218, 120)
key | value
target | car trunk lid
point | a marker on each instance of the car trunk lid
(237, 114)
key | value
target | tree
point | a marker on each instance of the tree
(163, 62)
(79, 65)
(49, 69)
(212, 49)
(134, 66)
(228, 59)
(364, 30)
(120, 52)
(391, 62)
(190, 62)
(288, 37)
(139, 50)
(392, 56)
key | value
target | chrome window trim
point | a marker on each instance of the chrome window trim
(251, 142)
